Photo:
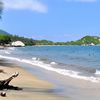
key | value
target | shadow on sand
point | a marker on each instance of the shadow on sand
(43, 90)
(10, 87)
(4, 63)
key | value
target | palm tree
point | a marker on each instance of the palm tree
(1, 8)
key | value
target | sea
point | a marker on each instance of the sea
(81, 62)
(77, 62)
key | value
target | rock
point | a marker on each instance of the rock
(18, 44)
(3, 94)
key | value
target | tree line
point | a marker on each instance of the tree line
(8, 38)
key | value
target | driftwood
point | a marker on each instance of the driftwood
(4, 84)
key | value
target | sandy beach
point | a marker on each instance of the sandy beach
(40, 83)
(33, 87)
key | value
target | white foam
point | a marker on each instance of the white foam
(53, 63)
(6, 52)
(97, 72)
(34, 58)
(12, 48)
(48, 67)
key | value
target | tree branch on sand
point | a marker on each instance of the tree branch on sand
(4, 84)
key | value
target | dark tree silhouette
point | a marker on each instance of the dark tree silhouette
(1, 8)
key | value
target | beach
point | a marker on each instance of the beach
(49, 50)
(50, 73)
(32, 87)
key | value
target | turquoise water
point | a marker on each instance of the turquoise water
(88, 56)
(80, 62)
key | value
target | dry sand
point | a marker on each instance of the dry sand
(33, 88)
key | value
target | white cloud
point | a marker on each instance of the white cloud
(34, 5)
(88, 1)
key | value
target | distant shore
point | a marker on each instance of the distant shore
(1, 47)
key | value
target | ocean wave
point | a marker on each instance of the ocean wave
(53, 63)
(65, 72)
(7, 52)
(11, 48)
(34, 58)
(97, 72)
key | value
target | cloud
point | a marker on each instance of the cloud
(88, 1)
(33, 5)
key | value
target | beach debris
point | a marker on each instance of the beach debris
(3, 94)
(5, 83)
(2, 71)
(15, 74)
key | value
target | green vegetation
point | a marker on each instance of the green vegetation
(90, 39)
(87, 40)
(6, 38)
(26, 41)
(43, 42)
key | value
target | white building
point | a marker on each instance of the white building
(18, 44)
(92, 44)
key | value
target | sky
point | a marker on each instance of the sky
(56, 20)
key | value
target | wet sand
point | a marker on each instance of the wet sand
(77, 89)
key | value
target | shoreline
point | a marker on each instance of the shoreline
(33, 87)
(56, 86)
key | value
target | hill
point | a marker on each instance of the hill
(87, 40)
(3, 32)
